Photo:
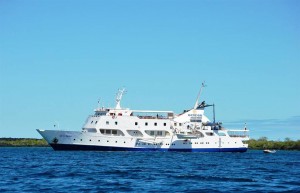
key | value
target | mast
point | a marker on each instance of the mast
(119, 96)
(197, 100)
(98, 106)
(214, 113)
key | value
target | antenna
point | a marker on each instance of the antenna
(98, 103)
(214, 113)
(196, 103)
(119, 96)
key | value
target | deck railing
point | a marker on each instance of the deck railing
(239, 133)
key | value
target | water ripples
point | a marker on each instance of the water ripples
(45, 170)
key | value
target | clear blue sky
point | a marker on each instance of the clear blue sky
(58, 57)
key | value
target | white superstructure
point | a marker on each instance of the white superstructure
(119, 129)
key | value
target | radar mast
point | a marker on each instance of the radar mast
(198, 97)
(119, 96)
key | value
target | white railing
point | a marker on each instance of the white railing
(238, 133)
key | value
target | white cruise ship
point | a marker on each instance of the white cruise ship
(122, 129)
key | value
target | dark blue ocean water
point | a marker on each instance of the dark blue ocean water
(45, 170)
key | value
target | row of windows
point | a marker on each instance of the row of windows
(171, 144)
(136, 123)
(108, 131)
(99, 141)
(196, 143)
(159, 133)
(107, 122)
(146, 124)
(180, 124)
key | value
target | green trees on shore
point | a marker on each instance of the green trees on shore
(22, 142)
(264, 143)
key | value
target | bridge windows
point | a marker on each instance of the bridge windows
(114, 132)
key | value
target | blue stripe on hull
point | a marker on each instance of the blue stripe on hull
(67, 147)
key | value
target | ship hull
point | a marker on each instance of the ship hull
(72, 147)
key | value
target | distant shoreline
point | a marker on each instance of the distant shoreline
(264, 143)
(23, 142)
(254, 144)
